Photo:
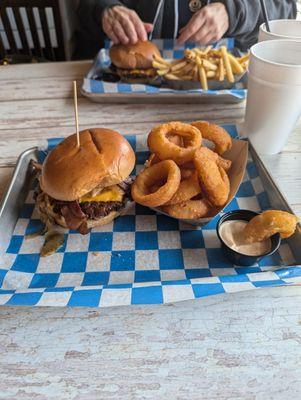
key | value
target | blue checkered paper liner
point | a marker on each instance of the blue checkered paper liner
(140, 258)
(169, 49)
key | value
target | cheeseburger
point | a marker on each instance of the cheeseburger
(87, 186)
(133, 62)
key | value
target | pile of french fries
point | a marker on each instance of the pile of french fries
(202, 65)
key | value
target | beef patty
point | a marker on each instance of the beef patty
(76, 214)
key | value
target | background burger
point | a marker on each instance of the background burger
(133, 62)
(84, 187)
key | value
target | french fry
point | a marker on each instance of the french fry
(185, 70)
(225, 57)
(199, 61)
(199, 52)
(159, 65)
(168, 63)
(206, 51)
(190, 55)
(209, 65)
(189, 67)
(244, 59)
(236, 66)
(221, 70)
(215, 53)
(172, 77)
(195, 73)
(203, 78)
(210, 74)
(201, 64)
(162, 72)
(178, 66)
(160, 60)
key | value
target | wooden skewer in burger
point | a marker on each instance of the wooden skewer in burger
(84, 180)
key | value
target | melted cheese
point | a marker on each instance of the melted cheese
(113, 193)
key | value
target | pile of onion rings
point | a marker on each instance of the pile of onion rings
(183, 178)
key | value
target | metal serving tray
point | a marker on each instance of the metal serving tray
(162, 98)
(101, 90)
(23, 176)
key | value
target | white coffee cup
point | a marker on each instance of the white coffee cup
(274, 94)
(289, 29)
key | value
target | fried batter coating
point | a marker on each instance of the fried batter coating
(214, 180)
(191, 209)
(180, 152)
(163, 177)
(216, 134)
(268, 224)
(188, 189)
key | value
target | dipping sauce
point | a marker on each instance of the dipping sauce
(231, 232)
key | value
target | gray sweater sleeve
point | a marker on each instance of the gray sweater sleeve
(245, 17)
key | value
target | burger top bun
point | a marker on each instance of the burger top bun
(134, 56)
(104, 158)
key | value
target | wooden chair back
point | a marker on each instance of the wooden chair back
(35, 37)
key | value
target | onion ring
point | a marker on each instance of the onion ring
(268, 223)
(188, 165)
(165, 171)
(188, 189)
(159, 143)
(152, 160)
(220, 161)
(225, 179)
(186, 172)
(216, 134)
(213, 178)
(223, 163)
(188, 168)
(191, 209)
(176, 139)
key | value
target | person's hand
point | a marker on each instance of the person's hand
(207, 25)
(123, 25)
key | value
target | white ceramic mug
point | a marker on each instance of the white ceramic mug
(288, 29)
(274, 94)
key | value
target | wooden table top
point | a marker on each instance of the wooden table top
(239, 346)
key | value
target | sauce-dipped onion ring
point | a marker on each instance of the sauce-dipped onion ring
(213, 179)
(165, 177)
(166, 149)
(219, 136)
(268, 223)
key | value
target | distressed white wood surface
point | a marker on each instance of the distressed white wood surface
(240, 346)
(245, 346)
